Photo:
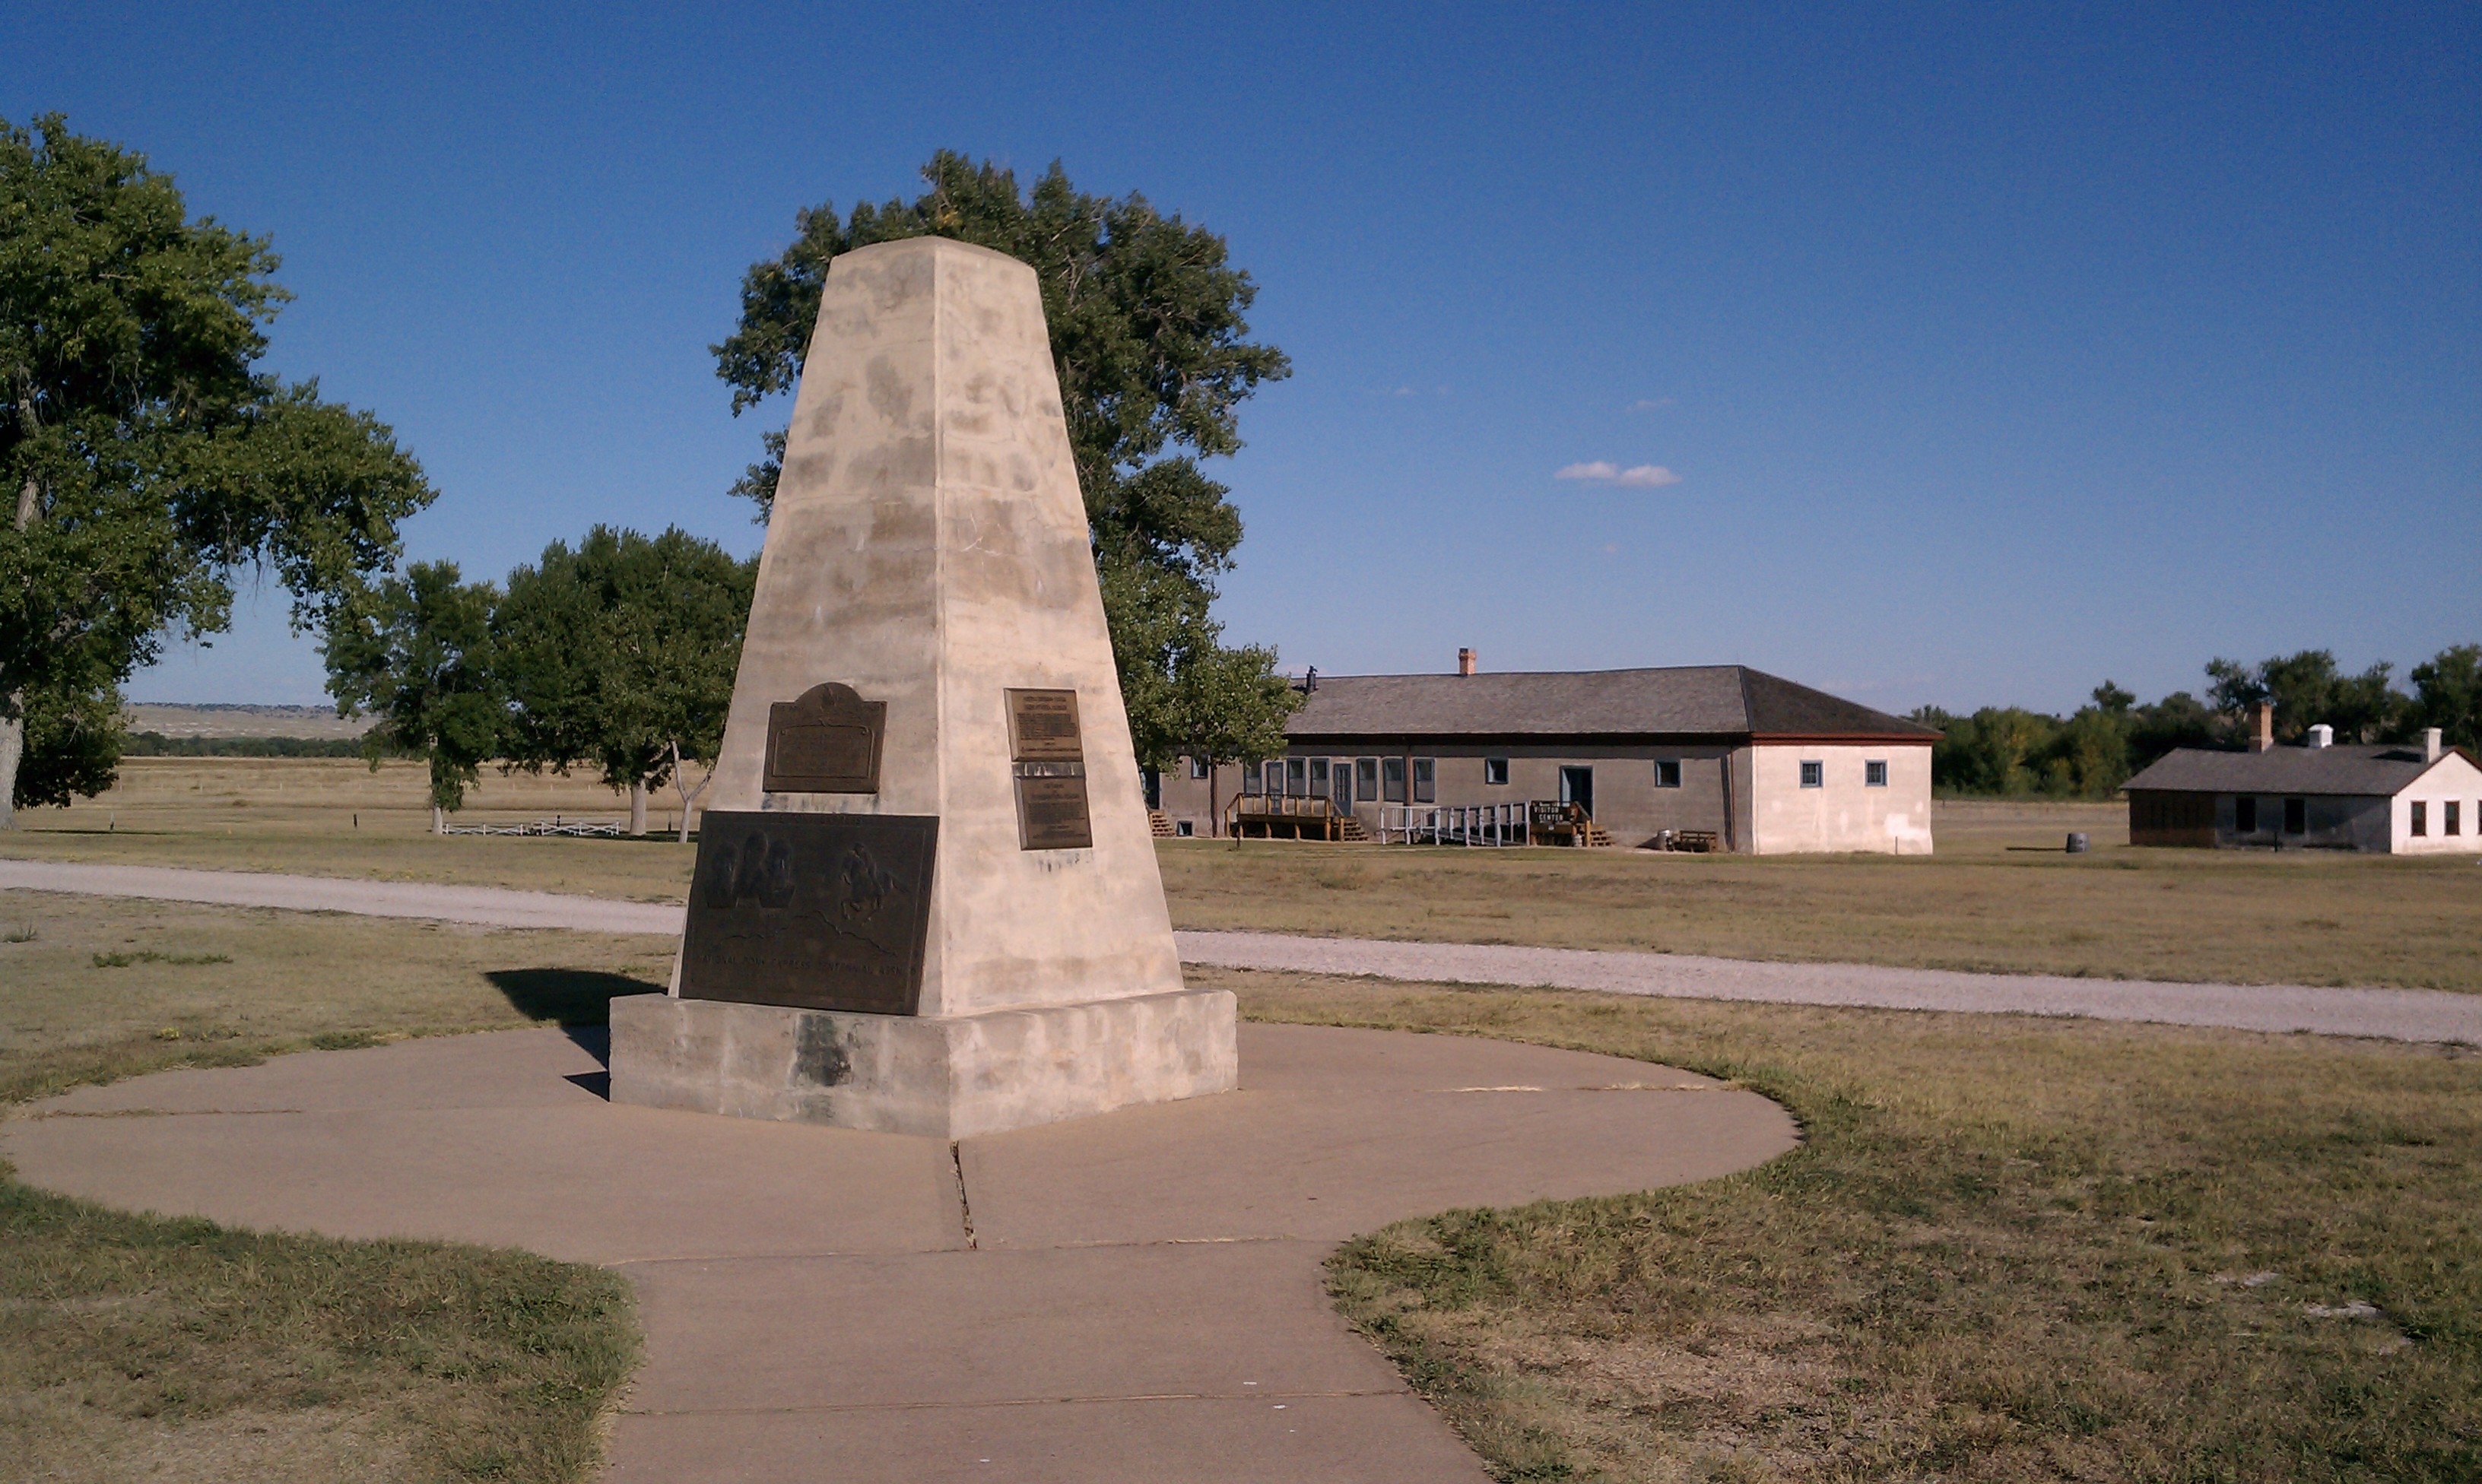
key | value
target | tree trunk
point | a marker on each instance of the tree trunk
(637, 806)
(12, 729)
(689, 795)
(13, 747)
(438, 820)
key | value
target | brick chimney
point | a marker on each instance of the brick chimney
(1465, 661)
(2261, 726)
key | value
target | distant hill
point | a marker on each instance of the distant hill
(219, 721)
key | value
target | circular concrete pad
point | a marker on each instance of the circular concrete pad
(1136, 1296)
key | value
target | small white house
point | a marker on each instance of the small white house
(2392, 799)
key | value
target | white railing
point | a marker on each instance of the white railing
(555, 825)
(1453, 824)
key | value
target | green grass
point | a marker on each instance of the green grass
(2008, 1249)
(137, 1348)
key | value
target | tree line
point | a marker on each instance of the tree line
(617, 655)
(2008, 751)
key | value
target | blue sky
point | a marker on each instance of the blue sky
(1987, 351)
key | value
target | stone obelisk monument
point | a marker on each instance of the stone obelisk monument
(926, 899)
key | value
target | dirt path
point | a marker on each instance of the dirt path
(2390, 1014)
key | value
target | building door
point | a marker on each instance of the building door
(1578, 787)
(1343, 795)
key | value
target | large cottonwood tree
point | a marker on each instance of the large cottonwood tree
(1149, 333)
(148, 460)
(619, 655)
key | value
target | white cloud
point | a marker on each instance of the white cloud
(1604, 471)
(1650, 404)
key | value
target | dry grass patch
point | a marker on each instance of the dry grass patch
(2008, 1249)
(1984, 905)
(136, 1348)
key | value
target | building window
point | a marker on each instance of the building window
(1426, 780)
(1365, 778)
(1874, 773)
(1318, 777)
(1667, 772)
(2448, 822)
(1184, 828)
(2245, 817)
(2420, 818)
(1197, 768)
(1249, 778)
(2296, 816)
(1392, 769)
(1495, 771)
(1297, 776)
(1814, 775)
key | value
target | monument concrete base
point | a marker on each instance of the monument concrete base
(945, 1076)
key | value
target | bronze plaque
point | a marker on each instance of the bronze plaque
(1042, 727)
(1051, 809)
(822, 911)
(826, 742)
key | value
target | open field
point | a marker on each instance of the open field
(134, 1347)
(2000, 895)
(2010, 1249)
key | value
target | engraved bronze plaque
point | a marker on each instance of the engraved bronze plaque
(1051, 811)
(1042, 727)
(1049, 756)
(820, 911)
(826, 742)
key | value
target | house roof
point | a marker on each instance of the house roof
(2381, 770)
(1730, 700)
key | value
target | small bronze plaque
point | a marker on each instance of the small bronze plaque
(1051, 811)
(826, 742)
(1043, 726)
(821, 911)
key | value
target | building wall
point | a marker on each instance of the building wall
(2452, 779)
(2168, 817)
(2336, 822)
(1843, 813)
(1747, 798)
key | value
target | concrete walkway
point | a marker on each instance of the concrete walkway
(2390, 1014)
(1134, 1296)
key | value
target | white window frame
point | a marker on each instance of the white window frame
(1813, 773)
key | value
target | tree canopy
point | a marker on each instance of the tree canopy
(620, 655)
(1149, 334)
(416, 653)
(149, 458)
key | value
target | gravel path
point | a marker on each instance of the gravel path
(2391, 1014)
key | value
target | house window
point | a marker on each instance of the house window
(2296, 816)
(2245, 817)
(1495, 771)
(2420, 818)
(1874, 773)
(1297, 776)
(1184, 828)
(1667, 772)
(1365, 778)
(1249, 778)
(1392, 769)
(1426, 780)
(1814, 775)
(1197, 768)
(2448, 823)
(1318, 777)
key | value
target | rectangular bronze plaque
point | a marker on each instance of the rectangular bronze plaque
(1043, 726)
(827, 742)
(822, 911)
(1051, 810)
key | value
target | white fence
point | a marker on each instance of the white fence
(1450, 824)
(555, 825)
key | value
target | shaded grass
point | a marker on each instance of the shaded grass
(2008, 1249)
(135, 1346)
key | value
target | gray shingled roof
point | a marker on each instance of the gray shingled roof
(1730, 700)
(2382, 770)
